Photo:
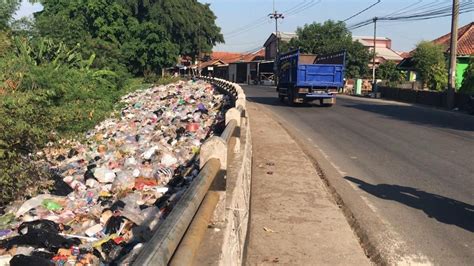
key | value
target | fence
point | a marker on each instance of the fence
(432, 98)
(180, 231)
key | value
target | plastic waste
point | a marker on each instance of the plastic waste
(92, 231)
(5, 259)
(60, 188)
(116, 186)
(168, 160)
(113, 224)
(22, 260)
(27, 251)
(46, 225)
(51, 205)
(41, 239)
(123, 181)
(104, 175)
(33, 203)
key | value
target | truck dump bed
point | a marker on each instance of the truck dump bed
(303, 70)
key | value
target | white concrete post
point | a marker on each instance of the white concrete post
(233, 113)
(215, 147)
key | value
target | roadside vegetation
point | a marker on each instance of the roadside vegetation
(430, 64)
(388, 71)
(65, 70)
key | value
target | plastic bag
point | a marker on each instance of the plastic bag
(46, 225)
(41, 239)
(33, 203)
(22, 260)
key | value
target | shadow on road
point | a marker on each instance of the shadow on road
(274, 101)
(445, 210)
(422, 116)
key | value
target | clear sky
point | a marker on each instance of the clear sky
(232, 15)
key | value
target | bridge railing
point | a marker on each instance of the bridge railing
(187, 220)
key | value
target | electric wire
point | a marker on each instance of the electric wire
(261, 21)
(362, 11)
(302, 6)
(424, 14)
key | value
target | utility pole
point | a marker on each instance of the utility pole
(374, 82)
(453, 50)
(276, 16)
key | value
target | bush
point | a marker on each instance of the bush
(152, 78)
(430, 64)
(44, 99)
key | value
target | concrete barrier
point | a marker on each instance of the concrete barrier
(214, 161)
(236, 198)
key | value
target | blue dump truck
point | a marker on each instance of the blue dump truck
(305, 78)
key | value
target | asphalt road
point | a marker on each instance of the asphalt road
(412, 166)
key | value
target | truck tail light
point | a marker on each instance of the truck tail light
(303, 90)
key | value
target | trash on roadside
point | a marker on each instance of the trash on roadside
(112, 189)
(266, 229)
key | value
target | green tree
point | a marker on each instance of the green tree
(430, 63)
(7, 9)
(191, 24)
(144, 35)
(331, 37)
(388, 71)
(149, 49)
(468, 78)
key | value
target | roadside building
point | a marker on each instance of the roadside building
(383, 49)
(270, 44)
(236, 67)
(465, 51)
(383, 46)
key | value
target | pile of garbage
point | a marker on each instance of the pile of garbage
(112, 190)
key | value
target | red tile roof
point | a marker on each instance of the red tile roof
(465, 40)
(405, 54)
(228, 57)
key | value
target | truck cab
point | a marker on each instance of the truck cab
(306, 78)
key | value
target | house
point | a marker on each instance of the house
(383, 49)
(271, 43)
(465, 51)
(383, 46)
(237, 67)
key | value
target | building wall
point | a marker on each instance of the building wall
(232, 72)
(461, 66)
(378, 43)
(270, 50)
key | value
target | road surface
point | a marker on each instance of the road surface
(412, 166)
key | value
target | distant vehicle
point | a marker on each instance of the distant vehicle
(305, 78)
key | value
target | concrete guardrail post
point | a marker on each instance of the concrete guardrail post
(233, 114)
(215, 147)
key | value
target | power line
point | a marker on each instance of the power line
(404, 9)
(437, 12)
(303, 8)
(363, 10)
(261, 21)
(296, 9)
